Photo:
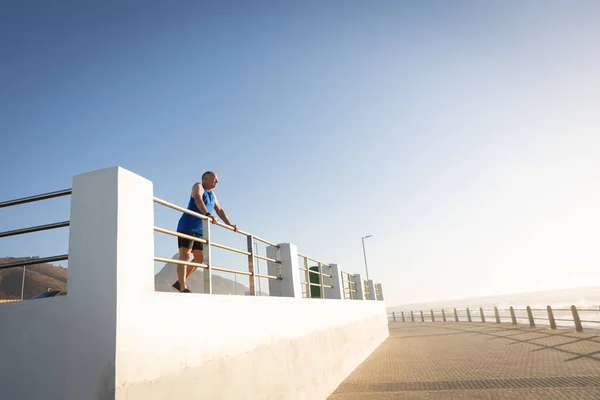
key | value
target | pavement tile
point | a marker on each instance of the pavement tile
(452, 360)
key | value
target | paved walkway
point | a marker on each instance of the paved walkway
(477, 361)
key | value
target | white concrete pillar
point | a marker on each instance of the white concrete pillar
(371, 287)
(111, 252)
(289, 284)
(360, 294)
(337, 291)
(379, 291)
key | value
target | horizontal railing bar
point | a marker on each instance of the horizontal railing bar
(180, 262)
(267, 276)
(325, 286)
(326, 275)
(563, 319)
(219, 223)
(313, 259)
(38, 197)
(265, 241)
(222, 246)
(233, 271)
(31, 229)
(193, 264)
(590, 322)
(34, 261)
(179, 234)
(267, 259)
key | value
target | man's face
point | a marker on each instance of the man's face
(210, 182)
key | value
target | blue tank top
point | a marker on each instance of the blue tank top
(189, 223)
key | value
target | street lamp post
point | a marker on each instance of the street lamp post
(365, 254)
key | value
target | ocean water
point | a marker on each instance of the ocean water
(585, 299)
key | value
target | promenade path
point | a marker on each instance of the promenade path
(449, 360)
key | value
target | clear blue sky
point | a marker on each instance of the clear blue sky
(464, 136)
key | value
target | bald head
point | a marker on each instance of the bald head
(209, 180)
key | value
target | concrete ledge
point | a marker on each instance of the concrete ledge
(310, 367)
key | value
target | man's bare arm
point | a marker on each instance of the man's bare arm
(197, 192)
(221, 213)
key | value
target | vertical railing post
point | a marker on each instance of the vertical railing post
(513, 317)
(379, 292)
(321, 279)
(289, 285)
(336, 281)
(530, 316)
(497, 314)
(576, 319)
(251, 278)
(432, 317)
(403, 320)
(371, 287)
(482, 314)
(358, 286)
(551, 318)
(111, 262)
(455, 316)
(412, 316)
(207, 257)
(469, 315)
(443, 315)
(422, 316)
(307, 271)
(394, 316)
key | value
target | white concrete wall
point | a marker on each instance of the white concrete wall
(32, 349)
(113, 337)
(229, 347)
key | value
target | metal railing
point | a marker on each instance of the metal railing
(22, 231)
(318, 272)
(567, 318)
(208, 266)
(366, 289)
(348, 285)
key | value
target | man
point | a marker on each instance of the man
(202, 201)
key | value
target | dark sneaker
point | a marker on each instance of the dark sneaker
(176, 286)
(186, 291)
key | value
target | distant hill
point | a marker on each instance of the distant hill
(38, 278)
(168, 275)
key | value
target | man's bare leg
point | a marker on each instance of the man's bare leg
(198, 258)
(184, 255)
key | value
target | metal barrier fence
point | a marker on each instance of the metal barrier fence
(206, 240)
(509, 315)
(22, 231)
(366, 289)
(308, 284)
(348, 285)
